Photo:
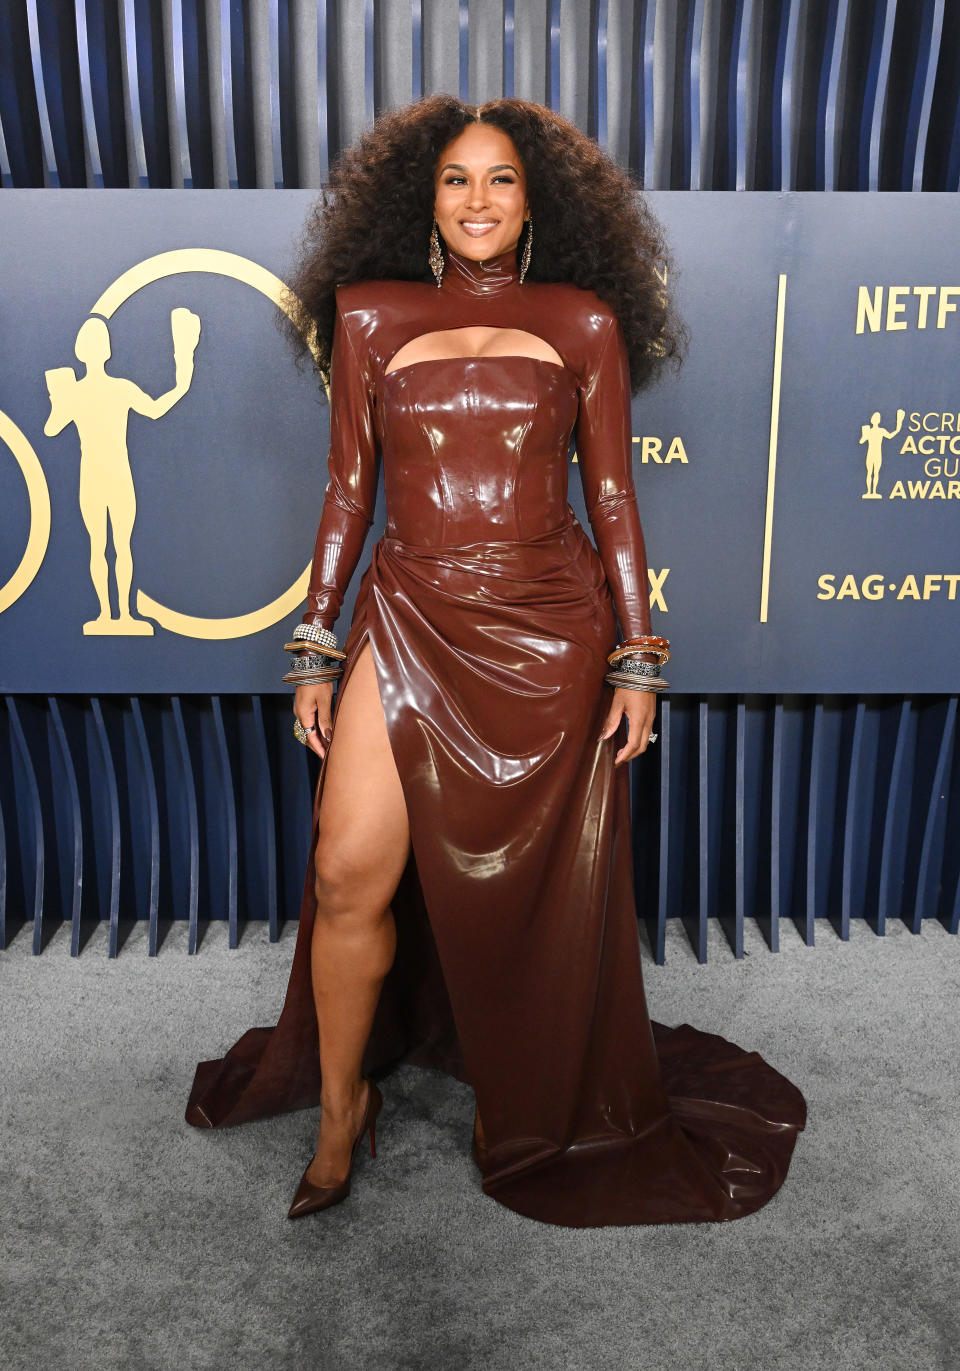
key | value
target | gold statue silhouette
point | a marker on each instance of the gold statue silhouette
(99, 405)
(873, 435)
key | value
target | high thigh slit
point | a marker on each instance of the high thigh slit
(490, 616)
(367, 728)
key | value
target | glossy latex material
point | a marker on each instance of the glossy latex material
(489, 616)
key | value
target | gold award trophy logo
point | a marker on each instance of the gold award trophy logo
(100, 404)
(873, 435)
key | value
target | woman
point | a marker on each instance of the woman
(468, 902)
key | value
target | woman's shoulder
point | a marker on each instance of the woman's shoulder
(580, 317)
(590, 308)
(375, 291)
(369, 306)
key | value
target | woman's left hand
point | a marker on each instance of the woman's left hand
(639, 706)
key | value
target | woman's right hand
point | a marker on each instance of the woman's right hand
(312, 706)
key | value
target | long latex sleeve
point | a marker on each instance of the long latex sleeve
(604, 455)
(351, 492)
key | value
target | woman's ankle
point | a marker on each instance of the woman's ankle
(343, 1100)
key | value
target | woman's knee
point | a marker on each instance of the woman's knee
(350, 888)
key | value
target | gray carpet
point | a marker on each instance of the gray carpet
(130, 1240)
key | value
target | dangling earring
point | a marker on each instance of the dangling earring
(525, 261)
(436, 256)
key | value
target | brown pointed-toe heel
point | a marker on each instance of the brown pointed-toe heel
(309, 1197)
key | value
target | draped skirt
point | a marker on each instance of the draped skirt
(518, 963)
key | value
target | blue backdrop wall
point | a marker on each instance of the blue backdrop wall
(810, 771)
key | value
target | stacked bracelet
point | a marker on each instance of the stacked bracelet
(313, 667)
(627, 665)
(307, 635)
(623, 678)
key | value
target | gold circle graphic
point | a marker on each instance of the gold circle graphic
(38, 494)
(216, 262)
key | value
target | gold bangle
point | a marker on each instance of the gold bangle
(662, 654)
(306, 645)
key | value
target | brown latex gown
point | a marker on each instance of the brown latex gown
(490, 615)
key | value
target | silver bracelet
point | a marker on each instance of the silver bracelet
(314, 633)
(637, 667)
(311, 661)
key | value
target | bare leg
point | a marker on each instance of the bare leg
(362, 849)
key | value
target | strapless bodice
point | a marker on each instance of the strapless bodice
(476, 448)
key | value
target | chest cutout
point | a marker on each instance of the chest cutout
(473, 342)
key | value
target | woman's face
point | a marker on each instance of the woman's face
(480, 192)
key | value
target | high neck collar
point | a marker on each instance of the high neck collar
(464, 276)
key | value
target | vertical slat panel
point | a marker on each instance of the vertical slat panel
(273, 55)
(697, 929)
(90, 137)
(228, 801)
(934, 806)
(258, 70)
(853, 824)
(665, 58)
(646, 143)
(830, 141)
(739, 827)
(890, 894)
(29, 820)
(226, 92)
(51, 173)
(323, 86)
(776, 824)
(107, 804)
(265, 802)
(68, 818)
(463, 48)
(742, 29)
(181, 170)
(921, 102)
(193, 825)
(807, 925)
(597, 88)
(786, 106)
(151, 809)
(509, 45)
(417, 38)
(131, 96)
(693, 140)
(553, 93)
(878, 75)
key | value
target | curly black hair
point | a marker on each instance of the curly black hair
(593, 225)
